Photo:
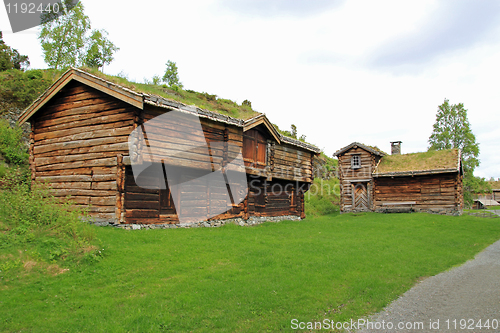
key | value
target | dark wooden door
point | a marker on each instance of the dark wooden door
(360, 197)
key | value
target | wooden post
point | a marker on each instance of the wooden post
(32, 153)
(120, 186)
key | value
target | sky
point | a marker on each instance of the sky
(340, 70)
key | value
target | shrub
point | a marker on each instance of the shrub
(33, 219)
(22, 88)
(322, 197)
(11, 144)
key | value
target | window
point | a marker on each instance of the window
(254, 149)
(355, 162)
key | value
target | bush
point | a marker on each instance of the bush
(21, 88)
(11, 144)
(322, 197)
(33, 219)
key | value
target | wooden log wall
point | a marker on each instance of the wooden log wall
(76, 139)
(275, 198)
(430, 192)
(178, 141)
(292, 163)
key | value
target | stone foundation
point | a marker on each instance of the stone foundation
(440, 211)
(253, 220)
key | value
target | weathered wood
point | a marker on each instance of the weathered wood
(103, 133)
(104, 201)
(83, 146)
(111, 161)
(40, 161)
(81, 192)
(45, 136)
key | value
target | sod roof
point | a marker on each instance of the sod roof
(495, 184)
(437, 161)
(202, 104)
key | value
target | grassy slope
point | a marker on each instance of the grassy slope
(244, 279)
(189, 97)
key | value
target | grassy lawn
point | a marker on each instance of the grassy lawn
(242, 279)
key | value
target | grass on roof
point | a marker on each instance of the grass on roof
(377, 149)
(189, 97)
(430, 160)
(495, 184)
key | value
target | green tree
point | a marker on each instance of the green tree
(452, 130)
(10, 58)
(100, 50)
(171, 76)
(63, 38)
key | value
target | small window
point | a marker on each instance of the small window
(355, 162)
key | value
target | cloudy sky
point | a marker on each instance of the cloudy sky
(340, 70)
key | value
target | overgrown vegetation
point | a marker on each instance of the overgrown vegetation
(202, 100)
(430, 160)
(244, 279)
(323, 197)
(324, 194)
(12, 148)
(20, 89)
(36, 229)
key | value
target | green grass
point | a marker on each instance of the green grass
(242, 279)
(189, 97)
(323, 197)
(38, 232)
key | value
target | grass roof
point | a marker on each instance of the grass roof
(495, 184)
(377, 149)
(427, 161)
(189, 97)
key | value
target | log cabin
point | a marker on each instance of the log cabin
(493, 194)
(87, 135)
(372, 180)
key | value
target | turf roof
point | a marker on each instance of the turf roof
(437, 160)
(495, 184)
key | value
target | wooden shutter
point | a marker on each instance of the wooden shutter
(248, 149)
(254, 149)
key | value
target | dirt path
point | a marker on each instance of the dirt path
(458, 298)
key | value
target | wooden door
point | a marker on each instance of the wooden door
(360, 197)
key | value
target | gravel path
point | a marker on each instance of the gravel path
(470, 292)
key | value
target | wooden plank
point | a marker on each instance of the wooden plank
(74, 108)
(129, 204)
(101, 209)
(39, 161)
(81, 192)
(79, 164)
(66, 178)
(141, 213)
(104, 201)
(71, 185)
(104, 133)
(90, 145)
(78, 130)
(105, 185)
(141, 197)
(113, 116)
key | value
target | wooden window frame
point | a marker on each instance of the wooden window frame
(356, 161)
